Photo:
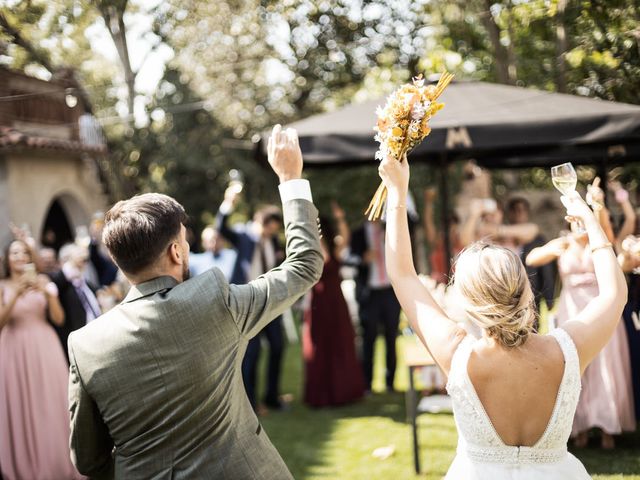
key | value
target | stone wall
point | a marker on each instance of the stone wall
(31, 180)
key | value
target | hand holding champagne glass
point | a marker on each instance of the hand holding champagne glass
(565, 179)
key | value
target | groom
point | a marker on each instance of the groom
(155, 384)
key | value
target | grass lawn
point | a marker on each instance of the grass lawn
(337, 443)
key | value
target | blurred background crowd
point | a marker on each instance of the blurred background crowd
(47, 289)
(105, 99)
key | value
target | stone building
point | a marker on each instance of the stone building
(49, 147)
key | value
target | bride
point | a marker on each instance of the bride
(514, 391)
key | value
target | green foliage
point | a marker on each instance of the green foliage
(183, 154)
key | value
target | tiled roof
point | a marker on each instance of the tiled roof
(12, 138)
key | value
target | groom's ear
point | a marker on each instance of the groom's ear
(176, 255)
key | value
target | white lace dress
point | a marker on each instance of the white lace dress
(481, 454)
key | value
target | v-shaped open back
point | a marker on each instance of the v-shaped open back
(485, 414)
(478, 437)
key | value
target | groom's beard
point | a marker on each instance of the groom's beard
(185, 272)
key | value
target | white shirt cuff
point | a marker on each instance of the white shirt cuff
(294, 190)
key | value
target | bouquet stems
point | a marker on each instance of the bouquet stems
(376, 206)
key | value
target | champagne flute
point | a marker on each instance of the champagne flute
(565, 179)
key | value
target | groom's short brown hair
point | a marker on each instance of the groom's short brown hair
(138, 230)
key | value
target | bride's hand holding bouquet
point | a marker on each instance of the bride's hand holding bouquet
(395, 177)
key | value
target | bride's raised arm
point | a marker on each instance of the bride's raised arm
(438, 332)
(593, 326)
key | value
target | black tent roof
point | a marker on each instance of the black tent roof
(498, 125)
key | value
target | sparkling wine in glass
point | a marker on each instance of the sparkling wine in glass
(565, 179)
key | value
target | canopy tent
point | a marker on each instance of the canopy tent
(500, 126)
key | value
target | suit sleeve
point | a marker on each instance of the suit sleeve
(90, 442)
(255, 304)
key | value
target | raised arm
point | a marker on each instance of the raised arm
(522, 233)
(629, 224)
(547, 253)
(437, 331)
(468, 229)
(629, 256)
(54, 307)
(254, 305)
(596, 198)
(592, 328)
(231, 196)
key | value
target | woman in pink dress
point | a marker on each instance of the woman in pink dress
(606, 399)
(34, 416)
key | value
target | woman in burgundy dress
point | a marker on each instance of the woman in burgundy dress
(333, 375)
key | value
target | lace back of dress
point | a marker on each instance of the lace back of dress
(478, 435)
(559, 428)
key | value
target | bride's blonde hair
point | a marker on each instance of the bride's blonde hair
(496, 293)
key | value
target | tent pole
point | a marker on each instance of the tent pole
(444, 210)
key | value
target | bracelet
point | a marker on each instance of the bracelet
(604, 245)
(396, 207)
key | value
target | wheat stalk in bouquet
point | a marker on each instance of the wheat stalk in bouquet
(402, 124)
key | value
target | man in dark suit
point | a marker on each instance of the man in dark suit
(542, 278)
(258, 251)
(77, 297)
(377, 302)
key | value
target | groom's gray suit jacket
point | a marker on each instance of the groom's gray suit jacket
(155, 384)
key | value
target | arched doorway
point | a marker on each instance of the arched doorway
(57, 229)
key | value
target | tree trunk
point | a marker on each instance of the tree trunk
(561, 48)
(501, 54)
(512, 68)
(114, 20)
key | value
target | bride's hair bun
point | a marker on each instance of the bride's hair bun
(496, 293)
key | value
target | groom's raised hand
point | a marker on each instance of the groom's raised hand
(284, 154)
